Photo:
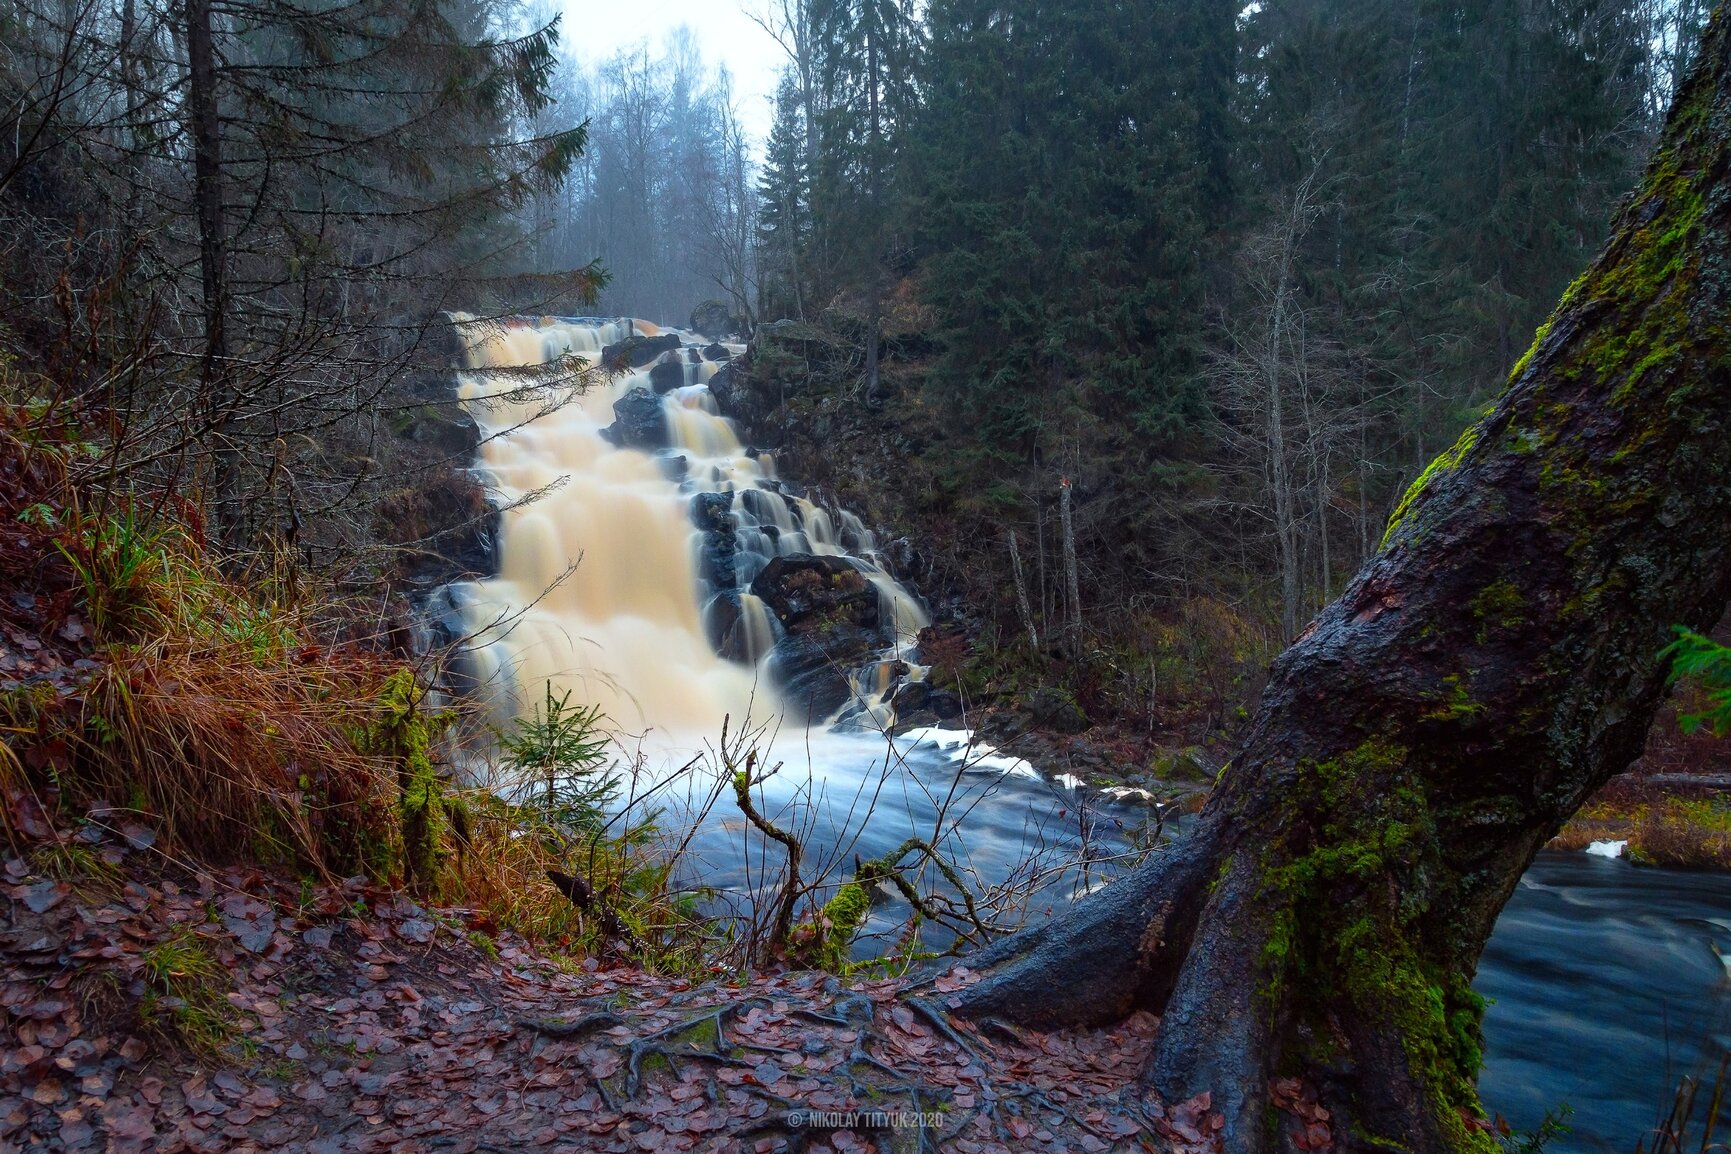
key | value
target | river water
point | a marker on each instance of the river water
(1604, 982)
(1605, 990)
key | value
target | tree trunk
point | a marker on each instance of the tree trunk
(1072, 586)
(1490, 667)
(1026, 613)
(212, 259)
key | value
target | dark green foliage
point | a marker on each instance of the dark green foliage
(1708, 664)
(561, 754)
(1064, 157)
(784, 215)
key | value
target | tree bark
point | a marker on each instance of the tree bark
(1494, 663)
(1072, 586)
(212, 261)
(1026, 613)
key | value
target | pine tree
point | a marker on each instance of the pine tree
(1063, 180)
(784, 222)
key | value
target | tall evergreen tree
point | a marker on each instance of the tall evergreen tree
(1069, 156)
(784, 223)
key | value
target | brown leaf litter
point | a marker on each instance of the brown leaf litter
(356, 1020)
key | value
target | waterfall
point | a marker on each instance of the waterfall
(627, 578)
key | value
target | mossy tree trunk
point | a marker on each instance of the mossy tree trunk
(1490, 667)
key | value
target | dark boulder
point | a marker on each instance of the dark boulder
(713, 319)
(638, 421)
(1056, 710)
(445, 528)
(723, 624)
(635, 352)
(721, 388)
(811, 671)
(945, 704)
(442, 423)
(911, 696)
(817, 594)
(829, 614)
(667, 375)
(717, 352)
(712, 513)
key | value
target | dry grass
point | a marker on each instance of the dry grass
(1682, 833)
(171, 694)
(239, 756)
(635, 911)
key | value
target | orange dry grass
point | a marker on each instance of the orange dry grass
(238, 756)
(1679, 832)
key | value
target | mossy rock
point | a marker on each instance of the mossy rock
(1187, 764)
(1056, 710)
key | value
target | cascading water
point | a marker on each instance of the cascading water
(656, 623)
(672, 522)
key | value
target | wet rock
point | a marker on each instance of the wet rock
(713, 514)
(717, 352)
(667, 375)
(817, 594)
(635, 352)
(918, 704)
(945, 704)
(712, 511)
(811, 671)
(829, 613)
(446, 528)
(911, 697)
(444, 426)
(441, 625)
(638, 421)
(721, 388)
(1187, 764)
(714, 319)
(721, 625)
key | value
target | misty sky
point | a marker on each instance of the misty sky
(595, 29)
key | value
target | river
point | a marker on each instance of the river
(1603, 978)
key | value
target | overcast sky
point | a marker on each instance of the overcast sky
(594, 31)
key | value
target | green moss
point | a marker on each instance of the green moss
(823, 944)
(1347, 889)
(404, 731)
(1455, 702)
(1445, 463)
(1498, 606)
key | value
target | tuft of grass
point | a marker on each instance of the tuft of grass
(77, 863)
(183, 996)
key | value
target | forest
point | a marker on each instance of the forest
(1125, 577)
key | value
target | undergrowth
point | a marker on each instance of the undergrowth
(183, 994)
(244, 713)
(1682, 833)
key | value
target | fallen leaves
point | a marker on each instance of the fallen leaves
(366, 1024)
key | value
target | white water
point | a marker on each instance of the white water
(599, 590)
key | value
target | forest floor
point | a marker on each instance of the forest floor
(150, 1007)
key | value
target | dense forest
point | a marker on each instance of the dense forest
(1227, 279)
(1236, 276)
(1132, 413)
